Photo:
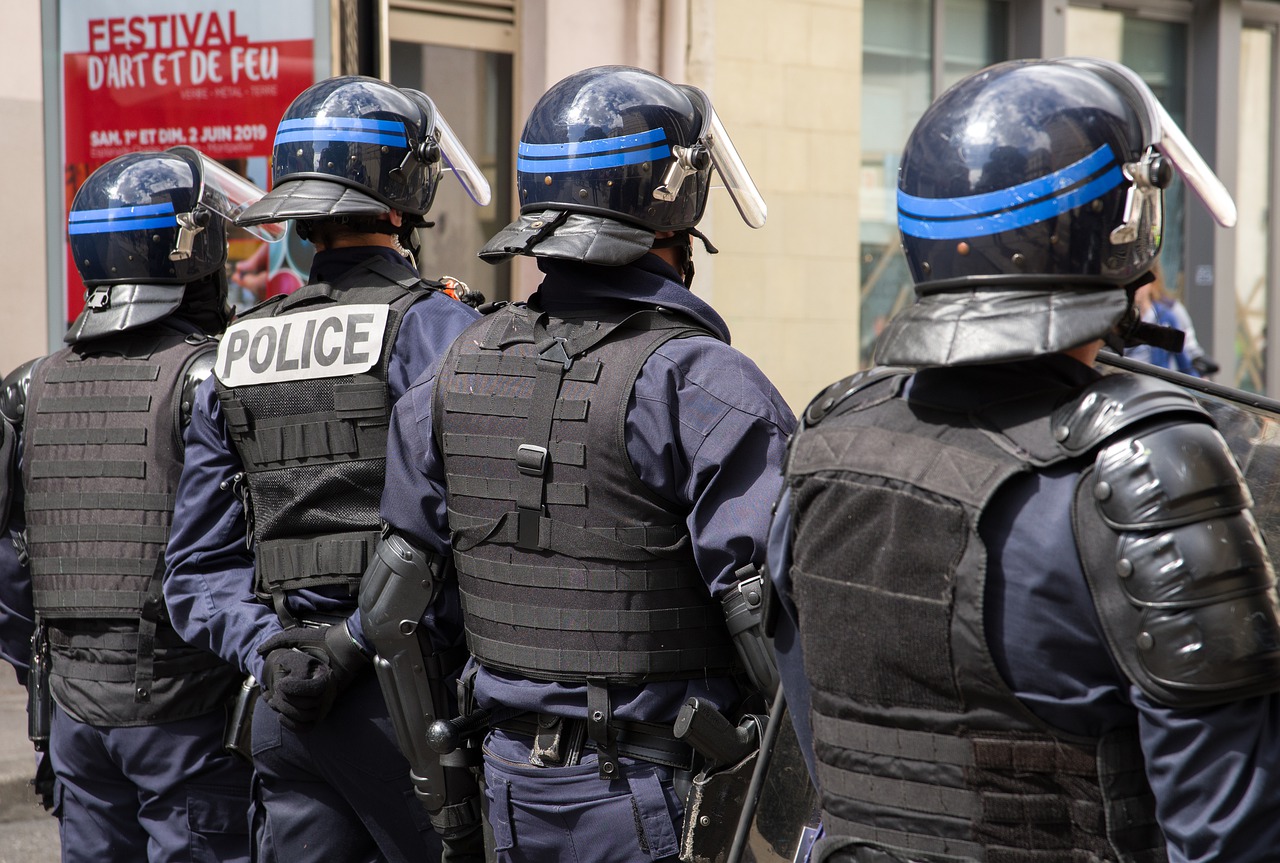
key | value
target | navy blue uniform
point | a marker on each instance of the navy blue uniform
(340, 790)
(1212, 770)
(164, 792)
(705, 430)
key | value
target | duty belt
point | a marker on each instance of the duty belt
(558, 741)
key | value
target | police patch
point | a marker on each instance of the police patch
(331, 342)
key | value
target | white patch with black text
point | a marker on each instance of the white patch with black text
(331, 342)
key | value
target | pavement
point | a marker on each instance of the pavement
(28, 834)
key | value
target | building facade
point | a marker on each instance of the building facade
(819, 96)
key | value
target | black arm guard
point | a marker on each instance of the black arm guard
(400, 584)
(743, 609)
(1179, 572)
(13, 408)
(198, 369)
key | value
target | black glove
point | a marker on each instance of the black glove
(306, 668)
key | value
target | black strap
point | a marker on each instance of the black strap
(533, 457)
(599, 727)
(153, 611)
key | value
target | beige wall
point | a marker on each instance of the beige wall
(23, 317)
(784, 76)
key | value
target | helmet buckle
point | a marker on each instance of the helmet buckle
(689, 160)
(1142, 197)
(189, 224)
(98, 298)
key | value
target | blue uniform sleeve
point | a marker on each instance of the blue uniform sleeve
(17, 607)
(17, 610)
(1212, 771)
(706, 430)
(208, 583)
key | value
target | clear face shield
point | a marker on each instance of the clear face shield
(1164, 135)
(714, 143)
(224, 193)
(456, 158)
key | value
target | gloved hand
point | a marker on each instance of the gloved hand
(306, 668)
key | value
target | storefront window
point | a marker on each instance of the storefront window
(901, 74)
(472, 88)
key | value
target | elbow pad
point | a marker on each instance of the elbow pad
(743, 609)
(1179, 572)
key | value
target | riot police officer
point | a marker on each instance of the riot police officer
(278, 511)
(138, 715)
(609, 463)
(1036, 619)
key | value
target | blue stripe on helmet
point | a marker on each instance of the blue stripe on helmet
(1013, 196)
(591, 163)
(112, 226)
(120, 212)
(351, 136)
(1009, 220)
(342, 123)
(601, 145)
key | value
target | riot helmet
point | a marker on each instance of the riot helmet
(609, 156)
(353, 148)
(148, 235)
(1030, 203)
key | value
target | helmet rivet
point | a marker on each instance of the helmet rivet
(926, 268)
(386, 149)
(131, 257)
(582, 194)
(113, 269)
(1053, 239)
(1096, 205)
(609, 182)
(1102, 491)
(1124, 567)
(1020, 260)
(1145, 641)
(546, 181)
(1061, 433)
(962, 248)
(329, 164)
(299, 152)
(155, 238)
(86, 262)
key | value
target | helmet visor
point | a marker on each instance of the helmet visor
(457, 158)
(226, 193)
(1165, 135)
(728, 164)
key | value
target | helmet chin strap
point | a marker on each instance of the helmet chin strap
(1132, 330)
(682, 242)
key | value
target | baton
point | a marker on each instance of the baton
(771, 730)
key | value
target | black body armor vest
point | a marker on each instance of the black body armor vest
(570, 569)
(302, 380)
(103, 453)
(920, 744)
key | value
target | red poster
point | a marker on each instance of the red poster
(152, 74)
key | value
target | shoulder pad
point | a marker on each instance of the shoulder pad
(14, 390)
(1190, 613)
(8, 471)
(837, 393)
(1113, 403)
(1168, 476)
(198, 368)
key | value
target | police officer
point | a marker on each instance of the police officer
(1036, 619)
(136, 741)
(609, 463)
(279, 501)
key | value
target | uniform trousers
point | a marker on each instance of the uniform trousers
(162, 793)
(553, 814)
(338, 792)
